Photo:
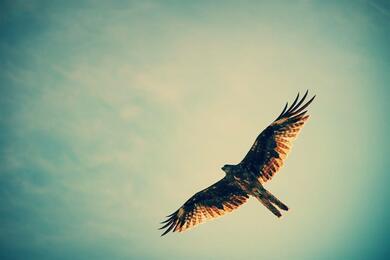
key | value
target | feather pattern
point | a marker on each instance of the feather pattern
(263, 160)
(212, 202)
(271, 147)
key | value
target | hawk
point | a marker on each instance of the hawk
(246, 179)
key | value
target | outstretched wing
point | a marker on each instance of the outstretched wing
(267, 154)
(212, 202)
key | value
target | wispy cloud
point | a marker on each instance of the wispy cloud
(114, 114)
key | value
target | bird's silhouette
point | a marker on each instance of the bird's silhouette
(246, 179)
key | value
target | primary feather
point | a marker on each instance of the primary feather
(271, 147)
(212, 202)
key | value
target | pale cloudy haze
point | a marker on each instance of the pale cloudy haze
(115, 113)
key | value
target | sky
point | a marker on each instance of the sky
(114, 113)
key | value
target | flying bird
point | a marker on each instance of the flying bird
(261, 163)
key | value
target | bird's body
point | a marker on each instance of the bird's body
(245, 179)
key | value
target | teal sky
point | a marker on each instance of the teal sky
(113, 113)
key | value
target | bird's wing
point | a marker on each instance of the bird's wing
(212, 202)
(267, 154)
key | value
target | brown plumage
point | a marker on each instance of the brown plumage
(245, 179)
(212, 202)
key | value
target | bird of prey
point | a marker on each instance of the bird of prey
(245, 179)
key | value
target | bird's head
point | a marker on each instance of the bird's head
(227, 168)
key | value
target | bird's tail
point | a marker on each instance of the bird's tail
(268, 200)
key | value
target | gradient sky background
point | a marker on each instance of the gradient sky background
(113, 113)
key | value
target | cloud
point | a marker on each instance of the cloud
(115, 115)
